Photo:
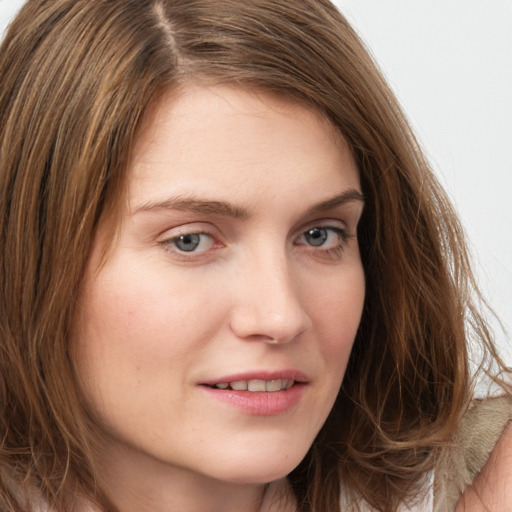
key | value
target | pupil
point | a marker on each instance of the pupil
(188, 242)
(316, 236)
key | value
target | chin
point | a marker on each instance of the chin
(259, 469)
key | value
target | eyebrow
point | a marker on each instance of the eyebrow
(195, 205)
(347, 196)
(226, 209)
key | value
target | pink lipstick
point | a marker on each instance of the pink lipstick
(259, 393)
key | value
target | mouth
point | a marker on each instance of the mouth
(259, 393)
(255, 385)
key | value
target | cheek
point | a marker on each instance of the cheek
(129, 328)
(134, 341)
(337, 311)
(337, 314)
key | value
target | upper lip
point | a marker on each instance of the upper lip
(289, 374)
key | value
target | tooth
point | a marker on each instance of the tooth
(222, 385)
(289, 384)
(239, 385)
(256, 385)
(274, 385)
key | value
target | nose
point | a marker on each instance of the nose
(268, 304)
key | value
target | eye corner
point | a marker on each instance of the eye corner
(326, 240)
(190, 243)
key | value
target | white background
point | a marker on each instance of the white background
(450, 63)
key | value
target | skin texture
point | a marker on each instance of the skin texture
(492, 490)
(251, 174)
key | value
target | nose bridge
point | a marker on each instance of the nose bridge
(269, 305)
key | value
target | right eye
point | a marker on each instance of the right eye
(191, 242)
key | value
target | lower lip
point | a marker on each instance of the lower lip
(260, 403)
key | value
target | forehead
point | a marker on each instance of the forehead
(193, 105)
(230, 145)
(205, 135)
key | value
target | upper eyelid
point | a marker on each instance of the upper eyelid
(175, 239)
(323, 223)
(169, 245)
(341, 231)
(211, 230)
(187, 229)
(167, 242)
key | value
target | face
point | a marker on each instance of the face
(214, 338)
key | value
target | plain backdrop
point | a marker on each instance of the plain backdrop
(450, 64)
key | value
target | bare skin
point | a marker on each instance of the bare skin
(491, 490)
(236, 265)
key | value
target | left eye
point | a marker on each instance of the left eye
(192, 242)
(325, 237)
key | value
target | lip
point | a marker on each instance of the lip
(290, 374)
(259, 403)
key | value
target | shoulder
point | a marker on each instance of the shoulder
(492, 487)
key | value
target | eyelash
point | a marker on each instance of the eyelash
(331, 253)
(170, 244)
(335, 252)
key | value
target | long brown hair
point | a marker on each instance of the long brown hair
(76, 79)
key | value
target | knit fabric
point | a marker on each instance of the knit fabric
(457, 468)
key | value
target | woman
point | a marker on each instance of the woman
(213, 213)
